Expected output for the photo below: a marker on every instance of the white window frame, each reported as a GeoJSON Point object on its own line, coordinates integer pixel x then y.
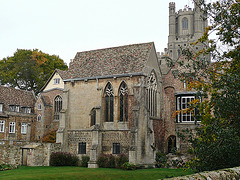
{"type": "Point", "coordinates": [24, 128]}
{"type": "Point", "coordinates": [182, 103]}
{"type": "Point", "coordinates": [2, 125]}
{"type": "Point", "coordinates": [56, 81]}
{"type": "Point", "coordinates": [12, 126]}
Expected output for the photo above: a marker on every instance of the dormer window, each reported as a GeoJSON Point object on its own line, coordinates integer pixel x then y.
{"type": "Point", "coordinates": [12, 107]}
{"type": "Point", "coordinates": [56, 81]}
{"type": "Point", "coordinates": [26, 110]}
{"type": "Point", "coordinates": [1, 107]}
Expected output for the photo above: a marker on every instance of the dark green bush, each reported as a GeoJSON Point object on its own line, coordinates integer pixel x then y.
{"type": "Point", "coordinates": [128, 166]}
{"type": "Point", "coordinates": [84, 161]}
{"type": "Point", "coordinates": [111, 161]}
{"type": "Point", "coordinates": [63, 159]}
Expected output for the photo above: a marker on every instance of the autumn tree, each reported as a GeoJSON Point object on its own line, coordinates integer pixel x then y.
{"type": "Point", "coordinates": [29, 69]}
{"type": "Point", "coordinates": [217, 144]}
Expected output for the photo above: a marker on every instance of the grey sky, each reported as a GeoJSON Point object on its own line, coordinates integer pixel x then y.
{"type": "Point", "coordinates": [64, 27]}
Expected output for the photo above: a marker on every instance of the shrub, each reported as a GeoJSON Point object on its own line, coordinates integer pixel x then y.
{"type": "Point", "coordinates": [161, 160]}
{"type": "Point", "coordinates": [4, 167]}
{"type": "Point", "coordinates": [84, 161]}
{"type": "Point", "coordinates": [128, 166]}
{"type": "Point", "coordinates": [102, 161]}
{"type": "Point", "coordinates": [111, 161]}
{"type": "Point", "coordinates": [120, 160]}
{"type": "Point", "coordinates": [63, 159]}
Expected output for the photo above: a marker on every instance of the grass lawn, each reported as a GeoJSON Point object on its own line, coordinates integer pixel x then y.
{"type": "Point", "coordinates": [45, 172]}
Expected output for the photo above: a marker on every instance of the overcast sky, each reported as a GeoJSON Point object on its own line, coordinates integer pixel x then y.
{"type": "Point", "coordinates": [65, 27]}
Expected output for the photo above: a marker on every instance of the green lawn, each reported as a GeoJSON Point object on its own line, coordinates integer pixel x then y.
{"type": "Point", "coordinates": [25, 172]}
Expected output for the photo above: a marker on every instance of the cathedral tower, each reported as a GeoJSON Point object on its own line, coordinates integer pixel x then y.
{"type": "Point", "coordinates": [185, 26]}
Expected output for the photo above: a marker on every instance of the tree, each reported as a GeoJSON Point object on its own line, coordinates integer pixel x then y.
{"type": "Point", "coordinates": [29, 69]}
{"type": "Point", "coordinates": [217, 144]}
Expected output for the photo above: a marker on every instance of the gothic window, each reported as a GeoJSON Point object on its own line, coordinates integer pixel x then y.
{"type": "Point", "coordinates": [39, 118]}
{"type": "Point", "coordinates": [82, 148]}
{"type": "Point", "coordinates": [39, 106]}
{"type": "Point", "coordinates": [185, 23]}
{"type": "Point", "coordinates": [57, 107]}
{"type": "Point", "coordinates": [109, 103]}
{"type": "Point", "coordinates": [171, 144]}
{"type": "Point", "coordinates": [152, 94]}
{"type": "Point", "coordinates": [93, 117]}
{"type": "Point", "coordinates": [183, 103]}
{"type": "Point", "coordinates": [123, 100]}
{"type": "Point", "coordinates": [116, 148]}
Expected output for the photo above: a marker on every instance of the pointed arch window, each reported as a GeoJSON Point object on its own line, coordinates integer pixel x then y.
{"type": "Point", "coordinates": [123, 100]}
{"type": "Point", "coordinates": [185, 23]}
{"type": "Point", "coordinates": [109, 102]}
{"type": "Point", "coordinates": [152, 94]}
{"type": "Point", "coordinates": [93, 117]}
{"type": "Point", "coordinates": [57, 107]}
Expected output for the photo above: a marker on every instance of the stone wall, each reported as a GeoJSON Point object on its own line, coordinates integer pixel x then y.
{"type": "Point", "coordinates": [31, 154]}
{"type": "Point", "coordinates": [231, 173]}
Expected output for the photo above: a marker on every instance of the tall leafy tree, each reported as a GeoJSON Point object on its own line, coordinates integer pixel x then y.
{"type": "Point", "coordinates": [29, 69]}
{"type": "Point", "coordinates": [217, 144]}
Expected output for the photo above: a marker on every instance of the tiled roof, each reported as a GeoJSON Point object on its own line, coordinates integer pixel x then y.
{"type": "Point", "coordinates": [11, 96]}
{"type": "Point", "coordinates": [110, 61]}
{"type": "Point", "coordinates": [63, 74]}
{"type": "Point", "coordinates": [46, 100]}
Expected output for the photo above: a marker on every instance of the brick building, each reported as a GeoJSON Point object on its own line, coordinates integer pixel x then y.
{"type": "Point", "coordinates": [49, 105]}
{"type": "Point", "coordinates": [16, 115]}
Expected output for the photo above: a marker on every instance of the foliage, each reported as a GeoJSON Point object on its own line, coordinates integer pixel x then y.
{"type": "Point", "coordinates": [217, 144]}
{"type": "Point", "coordinates": [84, 161]}
{"type": "Point", "coordinates": [4, 167]}
{"type": "Point", "coordinates": [29, 69]}
{"type": "Point", "coordinates": [121, 159]}
{"type": "Point", "coordinates": [50, 137]}
{"type": "Point", "coordinates": [67, 172]}
{"type": "Point", "coordinates": [63, 159]}
{"type": "Point", "coordinates": [161, 160]}
{"type": "Point", "coordinates": [110, 161]}
{"type": "Point", "coordinates": [128, 166]}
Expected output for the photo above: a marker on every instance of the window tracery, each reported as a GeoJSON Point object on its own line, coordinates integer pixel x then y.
{"type": "Point", "coordinates": [152, 94]}
{"type": "Point", "coordinates": [123, 108]}
{"type": "Point", "coordinates": [109, 103]}
{"type": "Point", "coordinates": [57, 107]}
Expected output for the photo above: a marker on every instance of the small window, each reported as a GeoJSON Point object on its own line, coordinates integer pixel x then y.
{"type": "Point", "coordinates": [93, 117]}
{"type": "Point", "coordinates": [56, 81]}
{"type": "Point", "coordinates": [12, 107]}
{"type": "Point", "coordinates": [12, 127]}
{"type": "Point", "coordinates": [82, 148]}
{"type": "Point", "coordinates": [26, 110]}
{"type": "Point", "coordinates": [24, 128]}
{"type": "Point", "coordinates": [39, 106]}
{"type": "Point", "coordinates": [39, 118]}
{"type": "Point", "coordinates": [17, 108]}
{"type": "Point", "coordinates": [2, 125]}
{"type": "Point", "coordinates": [1, 107]}
{"type": "Point", "coordinates": [116, 148]}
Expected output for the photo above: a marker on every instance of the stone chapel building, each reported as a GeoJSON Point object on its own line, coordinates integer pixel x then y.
{"type": "Point", "coordinates": [121, 99]}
